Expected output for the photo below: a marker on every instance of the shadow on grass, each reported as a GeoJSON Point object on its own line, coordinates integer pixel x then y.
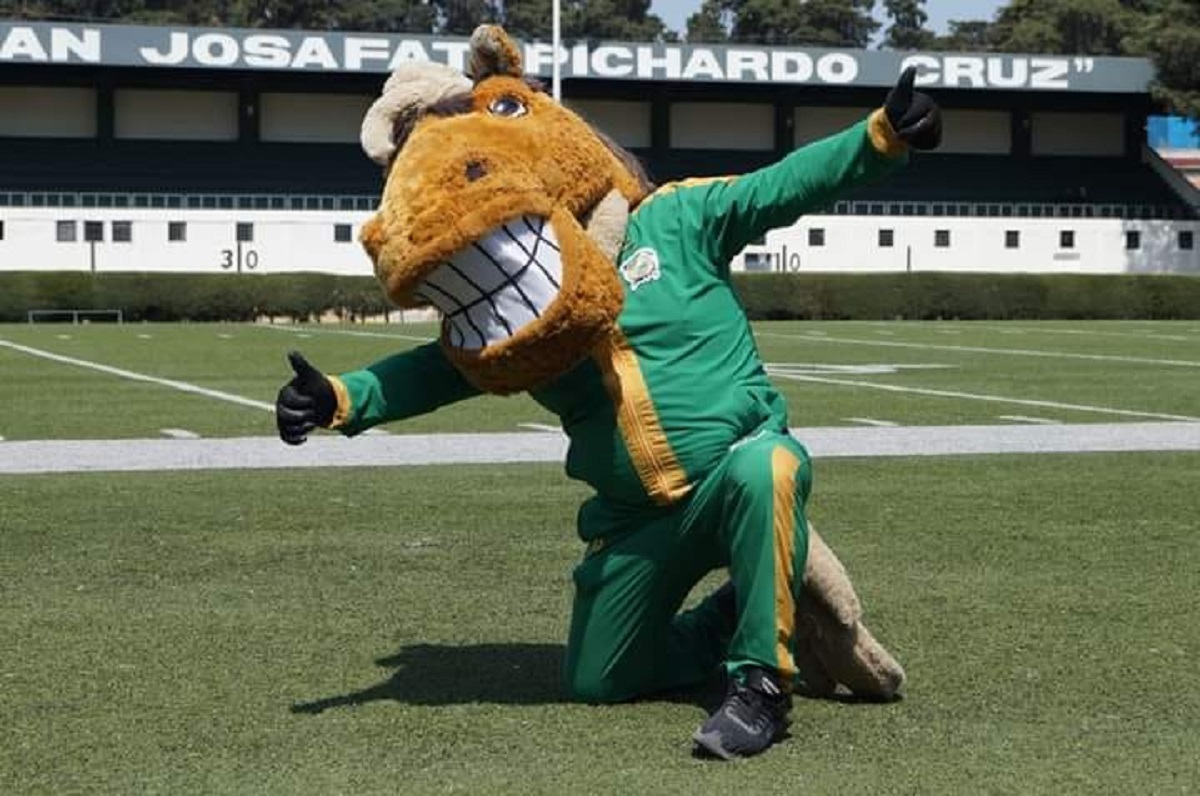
{"type": "Point", "coordinates": [440, 674]}
{"type": "Point", "coordinates": [503, 674]}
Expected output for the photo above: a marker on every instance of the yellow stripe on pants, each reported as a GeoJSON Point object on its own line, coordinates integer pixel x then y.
{"type": "Point", "coordinates": [784, 466]}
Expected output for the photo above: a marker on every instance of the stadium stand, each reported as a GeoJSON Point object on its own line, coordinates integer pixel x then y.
{"type": "Point", "coordinates": [171, 154]}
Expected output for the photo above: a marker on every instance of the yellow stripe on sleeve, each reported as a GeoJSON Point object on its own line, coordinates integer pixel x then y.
{"type": "Point", "coordinates": [342, 413]}
{"type": "Point", "coordinates": [883, 137]}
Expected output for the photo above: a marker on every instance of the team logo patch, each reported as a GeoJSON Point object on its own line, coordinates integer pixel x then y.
{"type": "Point", "coordinates": [640, 268]}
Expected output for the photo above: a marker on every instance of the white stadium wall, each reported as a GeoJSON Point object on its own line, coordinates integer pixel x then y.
{"type": "Point", "coordinates": [292, 241]}
{"type": "Point", "coordinates": [281, 241]}
{"type": "Point", "coordinates": [1097, 246]}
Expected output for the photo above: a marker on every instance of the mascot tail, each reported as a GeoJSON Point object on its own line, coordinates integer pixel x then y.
{"type": "Point", "coordinates": [833, 646]}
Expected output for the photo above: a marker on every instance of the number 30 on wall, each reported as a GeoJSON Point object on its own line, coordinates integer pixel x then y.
{"type": "Point", "coordinates": [231, 258]}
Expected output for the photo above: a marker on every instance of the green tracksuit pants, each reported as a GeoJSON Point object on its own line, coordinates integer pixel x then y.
{"type": "Point", "coordinates": [628, 637]}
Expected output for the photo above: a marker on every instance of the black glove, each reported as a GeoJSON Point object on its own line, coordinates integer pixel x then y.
{"type": "Point", "coordinates": [914, 115]}
{"type": "Point", "coordinates": [305, 402]}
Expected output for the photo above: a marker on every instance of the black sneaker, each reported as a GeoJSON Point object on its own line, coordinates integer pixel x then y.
{"type": "Point", "coordinates": [752, 717]}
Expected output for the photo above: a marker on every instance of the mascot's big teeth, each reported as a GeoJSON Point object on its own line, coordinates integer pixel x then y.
{"type": "Point", "coordinates": [498, 284]}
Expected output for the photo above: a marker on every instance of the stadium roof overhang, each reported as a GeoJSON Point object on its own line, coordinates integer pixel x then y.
{"type": "Point", "coordinates": [310, 53]}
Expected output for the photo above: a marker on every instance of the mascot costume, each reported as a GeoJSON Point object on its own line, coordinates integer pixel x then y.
{"type": "Point", "coordinates": [560, 271]}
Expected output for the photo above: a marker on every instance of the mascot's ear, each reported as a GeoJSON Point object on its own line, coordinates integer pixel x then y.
{"type": "Point", "coordinates": [606, 224]}
{"type": "Point", "coordinates": [493, 53]}
{"type": "Point", "coordinates": [411, 89]}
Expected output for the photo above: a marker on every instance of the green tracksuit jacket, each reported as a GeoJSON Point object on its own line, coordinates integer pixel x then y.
{"type": "Point", "coordinates": [649, 416]}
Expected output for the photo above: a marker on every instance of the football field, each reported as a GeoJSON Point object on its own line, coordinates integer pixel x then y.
{"type": "Point", "coordinates": [190, 606]}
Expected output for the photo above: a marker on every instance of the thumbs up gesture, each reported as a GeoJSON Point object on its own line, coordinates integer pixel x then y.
{"type": "Point", "coordinates": [914, 115]}
{"type": "Point", "coordinates": [305, 402]}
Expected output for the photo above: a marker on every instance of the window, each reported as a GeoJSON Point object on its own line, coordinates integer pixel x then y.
{"type": "Point", "coordinates": [1012, 239]}
{"type": "Point", "coordinates": [1066, 239]}
{"type": "Point", "coordinates": [341, 233]}
{"type": "Point", "coordinates": [93, 231]}
{"type": "Point", "coordinates": [1187, 240]}
{"type": "Point", "coordinates": [816, 237]}
{"type": "Point", "coordinates": [1, 230]}
{"type": "Point", "coordinates": [64, 231]}
{"type": "Point", "coordinates": [122, 231]}
{"type": "Point", "coordinates": [941, 238]}
{"type": "Point", "coordinates": [245, 232]}
{"type": "Point", "coordinates": [887, 238]}
{"type": "Point", "coordinates": [1133, 240]}
{"type": "Point", "coordinates": [176, 231]}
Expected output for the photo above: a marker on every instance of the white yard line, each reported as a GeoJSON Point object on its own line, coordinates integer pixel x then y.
{"type": "Point", "coordinates": [1026, 419]}
{"type": "Point", "coordinates": [308, 330]}
{"type": "Point", "coordinates": [992, 398]}
{"type": "Point", "coordinates": [540, 427]}
{"type": "Point", "coordinates": [870, 421]}
{"type": "Point", "coordinates": [1023, 352]}
{"type": "Point", "coordinates": [1098, 333]}
{"type": "Point", "coordinates": [181, 386]}
{"type": "Point", "coordinates": [254, 453]}
{"type": "Point", "coordinates": [179, 433]}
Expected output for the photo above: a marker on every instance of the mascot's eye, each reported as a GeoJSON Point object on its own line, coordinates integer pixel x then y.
{"type": "Point", "coordinates": [507, 106]}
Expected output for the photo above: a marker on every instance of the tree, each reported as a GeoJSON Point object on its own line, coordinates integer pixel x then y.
{"type": "Point", "coordinates": [966, 35]}
{"type": "Point", "coordinates": [460, 17]}
{"type": "Point", "coordinates": [1170, 34]}
{"type": "Point", "coordinates": [1065, 27]}
{"type": "Point", "coordinates": [824, 23]}
{"type": "Point", "coordinates": [390, 16]}
{"type": "Point", "coordinates": [628, 20]}
{"type": "Point", "coordinates": [527, 19]}
{"type": "Point", "coordinates": [710, 24]}
{"type": "Point", "coordinates": [907, 31]}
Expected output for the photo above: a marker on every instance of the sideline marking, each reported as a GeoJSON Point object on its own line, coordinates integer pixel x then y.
{"type": "Point", "coordinates": [993, 398]}
{"type": "Point", "coordinates": [182, 386]}
{"type": "Point", "coordinates": [263, 453]}
{"type": "Point", "coordinates": [179, 433]}
{"type": "Point", "coordinates": [982, 350]}
{"type": "Point", "coordinates": [1025, 419]}
{"type": "Point", "coordinates": [867, 421]}
{"type": "Point", "coordinates": [308, 330]}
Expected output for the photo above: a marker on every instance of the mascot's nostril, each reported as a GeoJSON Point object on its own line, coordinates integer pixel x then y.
{"type": "Point", "coordinates": [475, 170]}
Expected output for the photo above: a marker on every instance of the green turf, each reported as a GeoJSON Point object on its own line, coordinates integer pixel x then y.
{"type": "Point", "coordinates": [46, 399]}
{"type": "Point", "coordinates": [344, 631]}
